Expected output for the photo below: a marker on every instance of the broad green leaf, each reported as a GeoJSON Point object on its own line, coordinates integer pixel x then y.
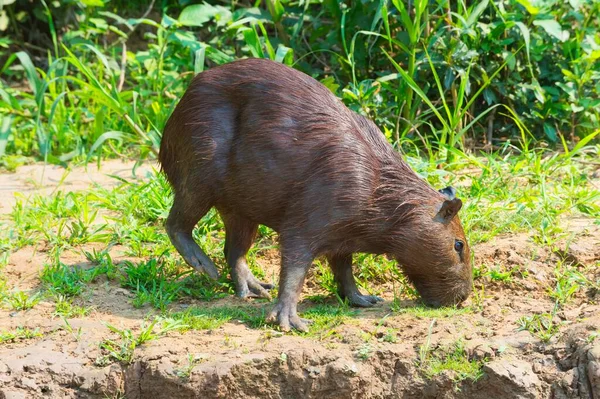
{"type": "Point", "coordinates": [6, 2]}
{"type": "Point", "coordinates": [583, 142]}
{"type": "Point", "coordinates": [199, 14]}
{"type": "Point", "coordinates": [3, 20]}
{"type": "Point", "coordinates": [330, 83]}
{"type": "Point", "coordinates": [552, 28]}
{"type": "Point", "coordinates": [115, 135]}
{"type": "Point", "coordinates": [526, 35]}
{"type": "Point", "coordinates": [217, 56]}
{"type": "Point", "coordinates": [550, 132]}
{"type": "Point", "coordinates": [529, 7]}
{"type": "Point", "coordinates": [576, 4]}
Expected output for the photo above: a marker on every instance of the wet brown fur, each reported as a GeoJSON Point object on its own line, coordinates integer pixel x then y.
{"type": "Point", "coordinates": [266, 144]}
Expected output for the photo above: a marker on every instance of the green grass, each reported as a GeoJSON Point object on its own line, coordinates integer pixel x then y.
{"type": "Point", "coordinates": [122, 349]}
{"type": "Point", "coordinates": [65, 308]}
{"type": "Point", "coordinates": [20, 300]}
{"type": "Point", "coordinates": [210, 318]}
{"type": "Point", "coordinates": [325, 320]}
{"type": "Point", "coordinates": [425, 312]}
{"type": "Point", "coordinates": [18, 334]}
{"type": "Point", "coordinates": [68, 281]}
{"type": "Point", "coordinates": [453, 359]}
{"type": "Point", "coordinates": [185, 371]}
{"type": "Point", "coordinates": [542, 325]}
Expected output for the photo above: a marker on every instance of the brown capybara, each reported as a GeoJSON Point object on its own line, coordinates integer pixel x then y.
{"type": "Point", "coordinates": [267, 144]}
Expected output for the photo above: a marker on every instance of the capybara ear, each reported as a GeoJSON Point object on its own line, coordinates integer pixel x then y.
{"type": "Point", "coordinates": [449, 192]}
{"type": "Point", "coordinates": [448, 210]}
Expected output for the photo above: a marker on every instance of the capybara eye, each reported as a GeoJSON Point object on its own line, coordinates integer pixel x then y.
{"type": "Point", "coordinates": [458, 245]}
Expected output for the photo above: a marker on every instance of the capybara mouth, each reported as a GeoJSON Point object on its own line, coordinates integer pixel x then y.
{"type": "Point", "coordinates": [450, 300]}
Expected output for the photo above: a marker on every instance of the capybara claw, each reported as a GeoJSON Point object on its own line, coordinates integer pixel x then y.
{"type": "Point", "coordinates": [363, 301]}
{"type": "Point", "coordinates": [281, 315]}
{"type": "Point", "coordinates": [210, 270]}
{"type": "Point", "coordinates": [251, 287]}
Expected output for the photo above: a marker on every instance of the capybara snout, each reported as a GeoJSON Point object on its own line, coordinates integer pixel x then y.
{"type": "Point", "coordinates": [266, 144]}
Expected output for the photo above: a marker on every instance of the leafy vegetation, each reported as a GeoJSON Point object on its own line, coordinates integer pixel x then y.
{"type": "Point", "coordinates": [434, 75]}
{"type": "Point", "coordinates": [453, 359]}
{"type": "Point", "coordinates": [19, 333]}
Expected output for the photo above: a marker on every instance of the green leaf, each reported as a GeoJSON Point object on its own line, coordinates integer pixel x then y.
{"type": "Point", "coordinates": [199, 14]}
{"type": "Point", "coordinates": [477, 11]}
{"type": "Point", "coordinates": [115, 135]}
{"type": "Point", "coordinates": [284, 55]}
{"type": "Point", "coordinates": [529, 7]}
{"type": "Point", "coordinates": [3, 20]}
{"type": "Point", "coordinates": [276, 9]}
{"type": "Point", "coordinates": [550, 132]}
{"type": "Point", "coordinates": [526, 35]}
{"type": "Point", "coordinates": [199, 56]}
{"type": "Point", "coordinates": [253, 41]}
{"type": "Point", "coordinates": [92, 3]}
{"type": "Point", "coordinates": [4, 132]}
{"type": "Point", "coordinates": [552, 28]}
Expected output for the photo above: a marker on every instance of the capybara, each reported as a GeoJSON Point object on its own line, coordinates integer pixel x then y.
{"type": "Point", "coordinates": [266, 144]}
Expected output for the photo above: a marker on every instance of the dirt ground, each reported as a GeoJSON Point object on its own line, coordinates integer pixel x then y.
{"type": "Point", "coordinates": [358, 360]}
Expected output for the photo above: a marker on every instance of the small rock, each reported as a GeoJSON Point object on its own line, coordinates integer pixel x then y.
{"type": "Point", "coordinates": [29, 383]}
{"type": "Point", "coordinates": [313, 371]}
{"type": "Point", "coordinates": [537, 368]}
{"type": "Point", "coordinates": [12, 395]}
{"type": "Point", "coordinates": [123, 291]}
{"type": "Point", "coordinates": [594, 354]}
{"type": "Point", "coordinates": [510, 379]}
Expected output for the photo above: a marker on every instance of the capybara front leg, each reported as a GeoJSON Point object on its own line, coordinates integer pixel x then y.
{"type": "Point", "coordinates": [294, 265]}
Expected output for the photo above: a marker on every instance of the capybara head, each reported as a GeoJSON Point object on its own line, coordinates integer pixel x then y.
{"type": "Point", "coordinates": [437, 259]}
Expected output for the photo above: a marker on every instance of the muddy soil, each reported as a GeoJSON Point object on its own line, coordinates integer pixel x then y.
{"type": "Point", "coordinates": [373, 354]}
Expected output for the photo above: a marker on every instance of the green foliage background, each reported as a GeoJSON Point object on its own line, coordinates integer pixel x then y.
{"type": "Point", "coordinates": [80, 78]}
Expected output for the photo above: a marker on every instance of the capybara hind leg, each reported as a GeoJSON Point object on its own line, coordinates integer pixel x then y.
{"type": "Point", "coordinates": [342, 272]}
{"type": "Point", "coordinates": [239, 235]}
{"type": "Point", "coordinates": [180, 223]}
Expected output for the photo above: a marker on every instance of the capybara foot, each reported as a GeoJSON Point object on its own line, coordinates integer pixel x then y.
{"type": "Point", "coordinates": [286, 317]}
{"type": "Point", "coordinates": [363, 301]}
{"type": "Point", "coordinates": [250, 287]}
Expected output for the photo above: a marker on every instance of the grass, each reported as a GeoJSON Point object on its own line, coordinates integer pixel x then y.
{"type": "Point", "coordinates": [122, 348]}
{"type": "Point", "coordinates": [186, 370]}
{"type": "Point", "coordinates": [453, 359]}
{"type": "Point", "coordinates": [196, 318]}
{"type": "Point", "coordinates": [19, 334]}
{"type": "Point", "coordinates": [64, 280]}
{"type": "Point", "coordinates": [65, 308]}
{"type": "Point", "coordinates": [325, 320]}
{"type": "Point", "coordinates": [20, 300]}
{"type": "Point", "coordinates": [425, 312]}
{"type": "Point", "coordinates": [542, 325]}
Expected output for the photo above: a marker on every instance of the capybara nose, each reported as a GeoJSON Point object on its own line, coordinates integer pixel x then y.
{"type": "Point", "coordinates": [433, 303]}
